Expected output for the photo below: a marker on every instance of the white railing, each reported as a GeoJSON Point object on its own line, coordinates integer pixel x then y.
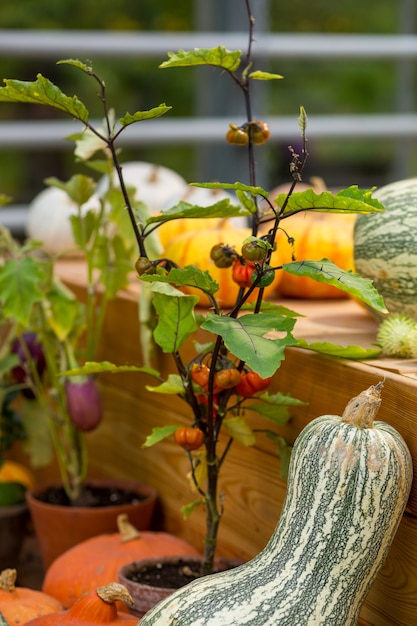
{"type": "Point", "coordinates": [55, 45]}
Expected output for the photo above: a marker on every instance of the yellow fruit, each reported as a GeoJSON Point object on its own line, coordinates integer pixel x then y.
{"type": "Point", "coordinates": [11, 471]}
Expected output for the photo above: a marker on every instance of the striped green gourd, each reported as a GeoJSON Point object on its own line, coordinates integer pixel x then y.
{"type": "Point", "coordinates": [348, 484]}
{"type": "Point", "coordinates": [385, 246]}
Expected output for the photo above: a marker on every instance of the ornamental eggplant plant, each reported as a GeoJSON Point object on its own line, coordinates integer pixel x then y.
{"type": "Point", "coordinates": [228, 377]}
{"type": "Point", "coordinates": [46, 330]}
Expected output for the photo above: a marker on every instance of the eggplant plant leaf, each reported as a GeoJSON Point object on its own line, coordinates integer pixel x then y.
{"type": "Point", "coordinates": [350, 200]}
{"type": "Point", "coordinates": [64, 310]}
{"type": "Point", "coordinates": [43, 91]}
{"type": "Point", "coordinates": [187, 509]}
{"type": "Point", "coordinates": [274, 407]}
{"type": "Point", "coordinates": [188, 276]}
{"type": "Point", "coordinates": [173, 385]}
{"type": "Point", "coordinates": [325, 271]}
{"type": "Point", "coordinates": [101, 367]}
{"type": "Point", "coordinates": [79, 187]}
{"type": "Point", "coordinates": [158, 434]}
{"type": "Point", "coordinates": [260, 75]}
{"type": "Point", "coordinates": [239, 429]}
{"type": "Point", "coordinates": [254, 191]}
{"type": "Point", "coordinates": [341, 352]}
{"type": "Point", "coordinates": [219, 57]}
{"type": "Point", "coordinates": [258, 340]}
{"type": "Point", "coordinates": [150, 114]}
{"type": "Point", "coordinates": [176, 320]}
{"type": "Point", "coordinates": [223, 209]}
{"type": "Point", "coordinates": [284, 451]}
{"type": "Point", "coordinates": [21, 286]}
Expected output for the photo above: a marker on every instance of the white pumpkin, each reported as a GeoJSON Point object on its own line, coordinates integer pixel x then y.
{"type": "Point", "coordinates": [154, 184]}
{"type": "Point", "coordinates": [48, 219]}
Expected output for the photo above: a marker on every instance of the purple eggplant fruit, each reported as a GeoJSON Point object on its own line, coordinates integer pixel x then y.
{"type": "Point", "coordinates": [84, 403]}
{"type": "Point", "coordinates": [21, 373]}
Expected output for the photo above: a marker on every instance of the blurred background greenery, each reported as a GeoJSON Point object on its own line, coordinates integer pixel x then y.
{"type": "Point", "coordinates": [335, 87]}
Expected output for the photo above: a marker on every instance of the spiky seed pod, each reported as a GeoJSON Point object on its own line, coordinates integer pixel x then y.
{"type": "Point", "coordinates": [394, 335]}
{"type": "Point", "coordinates": [412, 342]}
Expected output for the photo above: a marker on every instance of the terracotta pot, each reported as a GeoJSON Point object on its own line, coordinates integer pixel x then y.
{"type": "Point", "coordinates": [147, 596]}
{"type": "Point", "coordinates": [13, 526]}
{"type": "Point", "coordinates": [60, 527]}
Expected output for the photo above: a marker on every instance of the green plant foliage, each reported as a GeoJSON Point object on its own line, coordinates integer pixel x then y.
{"type": "Point", "coordinates": [43, 91]}
{"type": "Point", "coordinates": [219, 57]}
{"type": "Point", "coordinates": [325, 271]}
{"type": "Point", "coordinates": [350, 200]}
{"type": "Point", "coordinates": [245, 338]}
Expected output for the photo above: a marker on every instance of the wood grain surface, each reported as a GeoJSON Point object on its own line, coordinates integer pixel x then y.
{"type": "Point", "coordinates": [251, 486]}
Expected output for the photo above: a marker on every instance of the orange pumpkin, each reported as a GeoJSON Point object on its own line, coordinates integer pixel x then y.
{"type": "Point", "coordinates": [316, 236]}
{"type": "Point", "coordinates": [18, 605]}
{"type": "Point", "coordinates": [98, 606]}
{"type": "Point", "coordinates": [96, 561]}
{"type": "Point", "coordinates": [193, 248]}
{"type": "Point", "coordinates": [169, 231]}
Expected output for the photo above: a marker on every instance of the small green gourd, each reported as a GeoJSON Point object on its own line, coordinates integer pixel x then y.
{"type": "Point", "coordinates": [348, 484]}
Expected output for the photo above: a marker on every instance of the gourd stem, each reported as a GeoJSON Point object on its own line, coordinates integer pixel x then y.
{"type": "Point", "coordinates": [362, 409]}
{"type": "Point", "coordinates": [115, 591]}
{"type": "Point", "coordinates": [127, 531]}
{"type": "Point", "coordinates": [8, 579]}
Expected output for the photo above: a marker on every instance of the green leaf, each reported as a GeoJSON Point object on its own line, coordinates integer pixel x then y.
{"type": "Point", "coordinates": [88, 69]}
{"type": "Point", "coordinates": [254, 191]}
{"type": "Point", "coordinates": [188, 276]}
{"type": "Point", "coordinates": [187, 509]}
{"type": "Point", "coordinates": [79, 187]}
{"type": "Point", "coordinates": [100, 367]}
{"type": "Point", "coordinates": [139, 116]}
{"type": "Point", "coordinates": [259, 340]}
{"type": "Point", "coordinates": [173, 385]}
{"type": "Point", "coordinates": [223, 209]}
{"type": "Point", "coordinates": [21, 283]}
{"type": "Point", "coordinates": [239, 429]}
{"type": "Point", "coordinates": [350, 200]}
{"type": "Point", "coordinates": [325, 271]}
{"type": "Point", "coordinates": [4, 199]}
{"type": "Point", "coordinates": [83, 227]}
{"type": "Point", "coordinates": [343, 352]}
{"type": "Point", "coordinates": [64, 311]}
{"type": "Point", "coordinates": [38, 443]}
{"type": "Point", "coordinates": [176, 321]}
{"type": "Point", "coordinates": [11, 493]}
{"type": "Point", "coordinates": [275, 407]}
{"type": "Point", "coordinates": [220, 57]}
{"type": "Point", "coordinates": [247, 201]}
{"type": "Point", "coordinates": [158, 434]}
{"type": "Point", "coordinates": [259, 75]}
{"type": "Point", "coordinates": [302, 120]}
{"type": "Point", "coordinates": [284, 451]}
{"type": "Point", "coordinates": [43, 91]}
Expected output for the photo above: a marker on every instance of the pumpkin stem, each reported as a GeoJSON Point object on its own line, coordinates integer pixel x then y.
{"type": "Point", "coordinates": [8, 579]}
{"type": "Point", "coordinates": [115, 591]}
{"type": "Point", "coordinates": [361, 410]}
{"type": "Point", "coordinates": [126, 530]}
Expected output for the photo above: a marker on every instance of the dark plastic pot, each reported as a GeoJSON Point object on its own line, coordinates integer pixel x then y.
{"type": "Point", "coordinates": [13, 527]}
